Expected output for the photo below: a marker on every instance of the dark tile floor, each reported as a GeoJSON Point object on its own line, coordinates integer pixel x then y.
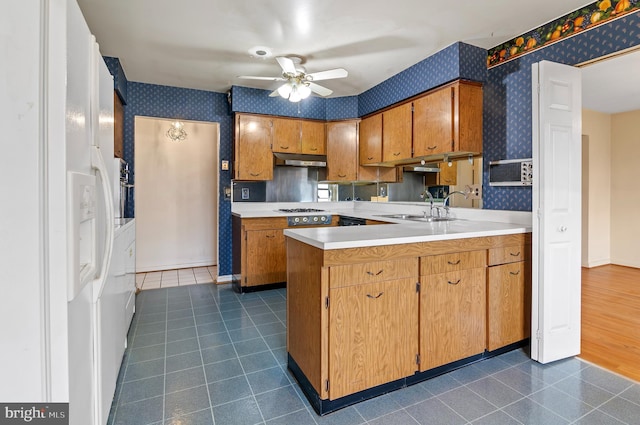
{"type": "Point", "coordinates": [204, 355]}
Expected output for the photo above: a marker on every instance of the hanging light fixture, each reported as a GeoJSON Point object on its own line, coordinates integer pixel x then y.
{"type": "Point", "coordinates": [177, 132]}
{"type": "Point", "coordinates": [295, 89]}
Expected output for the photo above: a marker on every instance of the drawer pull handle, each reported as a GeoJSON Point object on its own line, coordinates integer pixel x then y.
{"type": "Point", "coordinates": [270, 236]}
{"type": "Point", "coordinates": [375, 296]}
{"type": "Point", "coordinates": [453, 263]}
{"type": "Point", "coordinates": [430, 148]}
{"type": "Point", "coordinates": [314, 149]}
{"type": "Point", "coordinates": [256, 174]}
{"type": "Point", "coordinates": [342, 175]}
{"type": "Point", "coordinates": [396, 153]}
{"type": "Point", "coordinates": [375, 274]}
{"type": "Point", "coordinates": [454, 283]}
{"type": "Point", "coordinates": [284, 147]}
{"type": "Point", "coordinates": [516, 273]}
{"type": "Point", "coordinates": [515, 255]}
{"type": "Point", "coordinates": [369, 158]}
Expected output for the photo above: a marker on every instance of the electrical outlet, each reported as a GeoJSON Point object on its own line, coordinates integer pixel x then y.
{"type": "Point", "coordinates": [475, 191]}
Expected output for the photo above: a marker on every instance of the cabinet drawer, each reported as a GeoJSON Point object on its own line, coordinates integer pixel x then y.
{"type": "Point", "coordinates": [509, 254]}
{"type": "Point", "coordinates": [435, 264]}
{"type": "Point", "coordinates": [376, 271]}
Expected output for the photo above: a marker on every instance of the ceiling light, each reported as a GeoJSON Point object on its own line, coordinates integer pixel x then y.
{"type": "Point", "coordinates": [261, 52]}
{"type": "Point", "coordinates": [285, 90]}
{"type": "Point", "coordinates": [295, 94]}
{"type": "Point", "coordinates": [304, 91]}
{"type": "Point", "coordinates": [177, 132]}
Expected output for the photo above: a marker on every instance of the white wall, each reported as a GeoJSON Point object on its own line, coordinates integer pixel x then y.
{"type": "Point", "coordinates": [175, 195]}
{"type": "Point", "coordinates": [596, 189]}
{"type": "Point", "coordinates": [625, 189]}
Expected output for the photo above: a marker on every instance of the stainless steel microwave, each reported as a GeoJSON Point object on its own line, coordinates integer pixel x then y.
{"type": "Point", "coordinates": [511, 172]}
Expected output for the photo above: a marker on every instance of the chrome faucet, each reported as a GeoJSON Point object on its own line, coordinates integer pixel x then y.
{"type": "Point", "coordinates": [444, 203]}
{"type": "Point", "coordinates": [430, 196]}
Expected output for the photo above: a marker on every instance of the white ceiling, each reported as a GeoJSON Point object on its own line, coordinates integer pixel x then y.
{"type": "Point", "coordinates": [204, 44]}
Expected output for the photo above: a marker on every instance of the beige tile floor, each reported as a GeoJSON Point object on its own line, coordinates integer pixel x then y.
{"type": "Point", "coordinates": [179, 277]}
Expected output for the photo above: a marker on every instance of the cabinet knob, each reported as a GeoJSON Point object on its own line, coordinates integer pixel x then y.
{"type": "Point", "coordinates": [375, 296]}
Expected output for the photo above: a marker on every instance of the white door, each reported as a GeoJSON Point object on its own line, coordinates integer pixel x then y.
{"type": "Point", "coordinates": [557, 165]}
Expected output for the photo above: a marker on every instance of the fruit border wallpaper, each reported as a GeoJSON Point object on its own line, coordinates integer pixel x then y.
{"type": "Point", "coordinates": [566, 26]}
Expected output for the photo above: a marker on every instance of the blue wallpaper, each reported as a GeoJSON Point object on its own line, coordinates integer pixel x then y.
{"type": "Point", "coordinates": [341, 108]}
{"type": "Point", "coordinates": [459, 60]}
{"type": "Point", "coordinates": [507, 100]}
{"type": "Point", "coordinates": [245, 99]}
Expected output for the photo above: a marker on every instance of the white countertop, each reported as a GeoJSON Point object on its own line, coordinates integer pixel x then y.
{"type": "Point", "coordinates": [406, 232]}
{"type": "Point", "coordinates": [469, 223]}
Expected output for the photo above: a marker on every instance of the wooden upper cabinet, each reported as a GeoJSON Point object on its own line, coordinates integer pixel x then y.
{"type": "Point", "coordinates": [396, 133]}
{"type": "Point", "coordinates": [118, 126]}
{"type": "Point", "coordinates": [342, 150]}
{"type": "Point", "coordinates": [253, 157]}
{"type": "Point", "coordinates": [371, 140]}
{"type": "Point", "coordinates": [433, 123]}
{"type": "Point", "coordinates": [467, 134]}
{"type": "Point", "coordinates": [286, 135]}
{"type": "Point", "coordinates": [448, 120]}
{"type": "Point", "coordinates": [313, 138]}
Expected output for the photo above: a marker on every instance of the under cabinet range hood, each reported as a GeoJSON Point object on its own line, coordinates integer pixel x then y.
{"type": "Point", "coordinates": [300, 160]}
{"type": "Point", "coordinates": [426, 168]}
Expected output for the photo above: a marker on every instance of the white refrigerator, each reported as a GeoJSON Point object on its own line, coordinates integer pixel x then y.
{"type": "Point", "coordinates": [56, 238]}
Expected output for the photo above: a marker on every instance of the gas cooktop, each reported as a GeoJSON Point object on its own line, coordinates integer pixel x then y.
{"type": "Point", "coordinates": [300, 210]}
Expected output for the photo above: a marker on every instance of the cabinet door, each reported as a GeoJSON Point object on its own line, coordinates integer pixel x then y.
{"type": "Point", "coordinates": [448, 175]}
{"type": "Point", "coordinates": [371, 140]}
{"type": "Point", "coordinates": [253, 156]}
{"type": "Point", "coordinates": [396, 133]}
{"type": "Point", "coordinates": [452, 317]}
{"type": "Point", "coordinates": [373, 335]}
{"type": "Point", "coordinates": [266, 257]}
{"type": "Point", "coordinates": [286, 135]}
{"type": "Point", "coordinates": [509, 304]}
{"type": "Point", "coordinates": [433, 123]}
{"type": "Point", "coordinates": [468, 133]}
{"type": "Point", "coordinates": [342, 144]}
{"type": "Point", "coordinates": [313, 138]}
{"type": "Point", "coordinates": [118, 127]}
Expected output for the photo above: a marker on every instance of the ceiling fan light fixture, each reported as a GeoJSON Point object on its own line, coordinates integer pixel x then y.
{"type": "Point", "coordinates": [295, 95]}
{"type": "Point", "coordinates": [285, 90]}
{"type": "Point", "coordinates": [304, 91]}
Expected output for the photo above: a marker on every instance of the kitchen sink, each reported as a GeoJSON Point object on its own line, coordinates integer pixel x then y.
{"type": "Point", "coordinates": [403, 216]}
{"type": "Point", "coordinates": [417, 217]}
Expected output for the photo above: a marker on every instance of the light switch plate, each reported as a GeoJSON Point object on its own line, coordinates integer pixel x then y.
{"type": "Point", "coordinates": [225, 165]}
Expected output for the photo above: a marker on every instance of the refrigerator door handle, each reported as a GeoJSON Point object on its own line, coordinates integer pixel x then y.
{"type": "Point", "coordinates": [97, 162]}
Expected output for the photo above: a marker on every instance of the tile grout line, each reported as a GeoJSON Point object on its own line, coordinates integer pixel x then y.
{"type": "Point", "coordinates": [204, 372]}
{"type": "Point", "coordinates": [244, 373]}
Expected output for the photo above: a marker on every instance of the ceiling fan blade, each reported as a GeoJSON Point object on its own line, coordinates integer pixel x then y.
{"type": "Point", "coordinates": [328, 75]}
{"type": "Point", "coordinates": [251, 77]}
{"type": "Point", "coordinates": [287, 65]}
{"type": "Point", "coordinates": [318, 89]}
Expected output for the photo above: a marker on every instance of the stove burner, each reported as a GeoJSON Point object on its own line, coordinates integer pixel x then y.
{"type": "Point", "coordinates": [299, 210]}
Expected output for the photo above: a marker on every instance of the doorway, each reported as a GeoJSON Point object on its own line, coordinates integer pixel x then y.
{"type": "Point", "coordinates": [176, 183]}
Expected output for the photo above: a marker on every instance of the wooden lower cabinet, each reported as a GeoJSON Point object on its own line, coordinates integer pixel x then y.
{"type": "Point", "coordinates": [508, 304]}
{"type": "Point", "coordinates": [452, 316]}
{"type": "Point", "coordinates": [373, 335]}
{"type": "Point", "coordinates": [266, 257]}
{"type": "Point", "coordinates": [357, 318]}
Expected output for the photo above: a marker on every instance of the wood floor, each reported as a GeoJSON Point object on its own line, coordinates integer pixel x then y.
{"type": "Point", "coordinates": [611, 318]}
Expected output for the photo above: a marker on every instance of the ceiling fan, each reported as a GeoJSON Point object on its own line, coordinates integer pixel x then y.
{"type": "Point", "coordinates": [298, 84]}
